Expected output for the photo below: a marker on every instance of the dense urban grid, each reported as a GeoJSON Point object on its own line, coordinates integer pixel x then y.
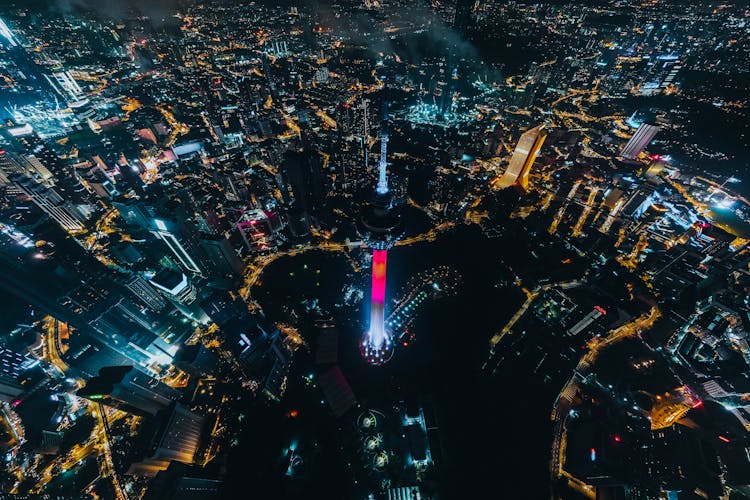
{"type": "Point", "coordinates": [374, 249]}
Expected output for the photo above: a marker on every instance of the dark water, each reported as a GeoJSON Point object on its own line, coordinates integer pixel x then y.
{"type": "Point", "coordinates": [494, 431]}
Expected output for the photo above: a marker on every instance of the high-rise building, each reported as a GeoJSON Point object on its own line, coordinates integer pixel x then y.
{"type": "Point", "coordinates": [12, 366]}
{"type": "Point", "coordinates": [381, 228]}
{"type": "Point", "coordinates": [196, 360]}
{"type": "Point", "coordinates": [180, 440]}
{"type": "Point", "coordinates": [7, 34]}
{"type": "Point", "coordinates": [176, 438]}
{"type": "Point", "coordinates": [65, 85]}
{"type": "Point", "coordinates": [177, 288]}
{"type": "Point", "coordinates": [181, 245]}
{"type": "Point", "coordinates": [130, 390]}
{"type": "Point", "coordinates": [146, 293]}
{"type": "Point", "coordinates": [261, 230]}
{"type": "Point", "coordinates": [169, 221]}
{"type": "Point", "coordinates": [30, 165]}
{"type": "Point", "coordinates": [639, 141]}
{"type": "Point", "coordinates": [222, 257]}
{"type": "Point", "coordinates": [50, 202]}
{"type": "Point", "coordinates": [9, 164]}
{"type": "Point", "coordinates": [302, 169]}
{"type": "Point", "coordinates": [38, 171]}
{"type": "Point", "coordinates": [527, 149]}
{"type": "Point", "coordinates": [73, 287]}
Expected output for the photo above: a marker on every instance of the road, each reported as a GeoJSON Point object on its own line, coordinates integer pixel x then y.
{"type": "Point", "coordinates": [559, 215]}
{"type": "Point", "coordinates": [563, 405]}
{"type": "Point", "coordinates": [530, 298]}
{"type": "Point", "coordinates": [255, 269]}
{"type": "Point", "coordinates": [52, 343]}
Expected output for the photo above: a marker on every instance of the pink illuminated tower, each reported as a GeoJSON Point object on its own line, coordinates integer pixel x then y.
{"type": "Point", "coordinates": [381, 228]}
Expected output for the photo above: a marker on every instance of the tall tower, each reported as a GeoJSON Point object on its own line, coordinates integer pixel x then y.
{"type": "Point", "coordinates": [639, 141]}
{"type": "Point", "coordinates": [525, 153]}
{"type": "Point", "coordinates": [381, 228]}
{"type": "Point", "coordinates": [527, 149]}
{"type": "Point", "coordinates": [50, 202]}
{"type": "Point", "coordinates": [5, 32]}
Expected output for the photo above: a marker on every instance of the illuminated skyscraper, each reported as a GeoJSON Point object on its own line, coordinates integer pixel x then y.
{"type": "Point", "coordinates": [181, 292]}
{"type": "Point", "coordinates": [51, 203]}
{"type": "Point", "coordinates": [181, 237]}
{"type": "Point", "coordinates": [65, 85]}
{"type": "Point", "coordinates": [7, 34]}
{"type": "Point", "coordinates": [146, 293]}
{"type": "Point", "coordinates": [11, 368]}
{"type": "Point", "coordinates": [381, 228]}
{"type": "Point", "coordinates": [640, 140]}
{"type": "Point", "coordinates": [527, 149]}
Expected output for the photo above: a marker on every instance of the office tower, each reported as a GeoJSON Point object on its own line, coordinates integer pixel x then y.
{"type": "Point", "coordinates": [196, 360]}
{"type": "Point", "coordinates": [12, 366]}
{"type": "Point", "coordinates": [23, 66]}
{"type": "Point", "coordinates": [146, 293]}
{"type": "Point", "coordinates": [281, 356]}
{"type": "Point", "coordinates": [50, 202]}
{"type": "Point", "coordinates": [7, 34]}
{"type": "Point", "coordinates": [362, 119]}
{"type": "Point", "coordinates": [222, 257]}
{"type": "Point", "coordinates": [175, 438]}
{"type": "Point", "coordinates": [73, 287]}
{"type": "Point", "coordinates": [180, 440]}
{"type": "Point", "coordinates": [293, 172]}
{"type": "Point", "coordinates": [277, 48]}
{"type": "Point", "coordinates": [9, 164]}
{"type": "Point", "coordinates": [261, 230]}
{"type": "Point", "coordinates": [527, 149]}
{"type": "Point", "coordinates": [639, 141]}
{"type": "Point", "coordinates": [381, 228]}
{"type": "Point", "coordinates": [135, 214]}
{"type": "Point", "coordinates": [144, 329]}
{"type": "Point", "coordinates": [181, 243]}
{"type": "Point", "coordinates": [168, 219]}
{"type": "Point", "coordinates": [37, 170]}
{"type": "Point", "coordinates": [29, 165]}
{"type": "Point", "coordinates": [65, 85]}
{"type": "Point", "coordinates": [662, 76]}
{"type": "Point", "coordinates": [130, 390]}
{"type": "Point", "coordinates": [302, 169]}
{"type": "Point", "coordinates": [177, 289]}
{"type": "Point", "coordinates": [322, 74]}
{"type": "Point", "coordinates": [222, 307]}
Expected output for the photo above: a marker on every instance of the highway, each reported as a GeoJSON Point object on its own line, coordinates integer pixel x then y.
{"type": "Point", "coordinates": [97, 443]}
{"type": "Point", "coordinates": [107, 466]}
{"type": "Point", "coordinates": [52, 346]}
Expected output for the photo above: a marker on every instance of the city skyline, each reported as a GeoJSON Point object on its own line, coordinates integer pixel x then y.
{"type": "Point", "coordinates": [374, 249]}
